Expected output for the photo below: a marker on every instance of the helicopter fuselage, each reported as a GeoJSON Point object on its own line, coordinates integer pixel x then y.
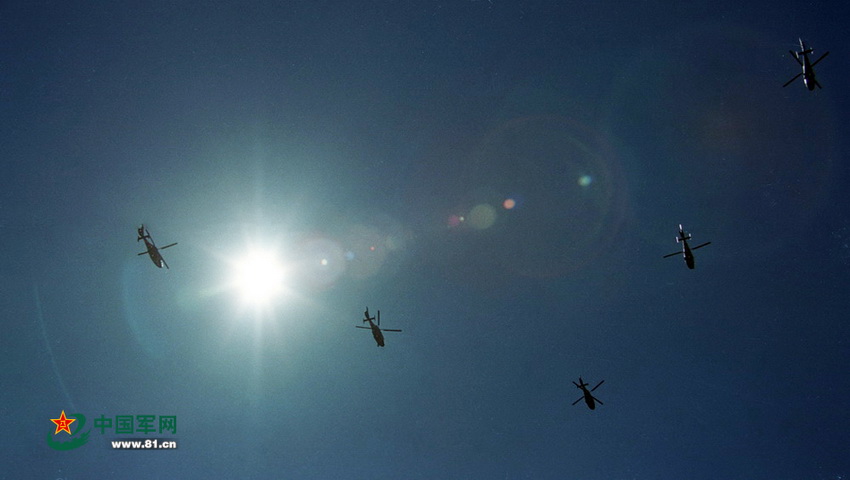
{"type": "Point", "coordinates": [808, 66]}
{"type": "Point", "coordinates": [689, 256]}
{"type": "Point", "coordinates": [808, 72]}
{"type": "Point", "coordinates": [153, 252]}
{"type": "Point", "coordinates": [586, 394]}
{"type": "Point", "coordinates": [588, 399]}
{"type": "Point", "coordinates": [151, 248]}
{"type": "Point", "coordinates": [687, 250]}
{"type": "Point", "coordinates": [376, 333]}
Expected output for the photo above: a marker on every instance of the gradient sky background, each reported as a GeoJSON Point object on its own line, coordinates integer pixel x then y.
{"type": "Point", "coordinates": [359, 133]}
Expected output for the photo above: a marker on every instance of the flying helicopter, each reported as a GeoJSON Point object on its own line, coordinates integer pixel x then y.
{"type": "Point", "coordinates": [808, 72]}
{"type": "Point", "coordinates": [376, 328]}
{"type": "Point", "coordinates": [152, 250]}
{"type": "Point", "coordinates": [588, 398]}
{"type": "Point", "coordinates": [687, 251]}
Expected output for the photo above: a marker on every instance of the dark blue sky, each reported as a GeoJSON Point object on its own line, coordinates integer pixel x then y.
{"type": "Point", "coordinates": [373, 147]}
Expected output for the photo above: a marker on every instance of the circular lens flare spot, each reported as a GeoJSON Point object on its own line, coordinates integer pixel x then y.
{"type": "Point", "coordinates": [482, 216]}
{"type": "Point", "coordinates": [321, 261]}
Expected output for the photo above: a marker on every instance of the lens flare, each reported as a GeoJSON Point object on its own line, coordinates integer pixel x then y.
{"type": "Point", "coordinates": [482, 216]}
{"type": "Point", "coordinates": [259, 277]}
{"type": "Point", "coordinates": [321, 262]}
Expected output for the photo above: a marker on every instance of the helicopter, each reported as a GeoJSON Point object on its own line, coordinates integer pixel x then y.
{"type": "Point", "coordinates": [589, 399]}
{"type": "Point", "coordinates": [687, 251]}
{"type": "Point", "coordinates": [808, 72]}
{"type": "Point", "coordinates": [376, 328]}
{"type": "Point", "coordinates": [152, 250]}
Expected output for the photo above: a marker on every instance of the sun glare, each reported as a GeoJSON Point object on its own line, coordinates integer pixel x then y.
{"type": "Point", "coordinates": [259, 277]}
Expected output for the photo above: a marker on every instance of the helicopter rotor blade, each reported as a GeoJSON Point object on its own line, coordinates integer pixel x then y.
{"type": "Point", "coordinates": [819, 59]}
{"type": "Point", "coordinates": [390, 330]}
{"type": "Point", "coordinates": [598, 400]}
{"type": "Point", "coordinates": [789, 82]}
{"type": "Point", "coordinates": [365, 328]}
{"type": "Point", "coordinates": [670, 255]}
{"type": "Point", "coordinates": [795, 57]}
{"type": "Point", "coordinates": [173, 244]}
{"type": "Point", "coordinates": [579, 399]}
{"type": "Point", "coordinates": [700, 246]}
{"type": "Point", "coordinates": [143, 253]}
{"type": "Point", "coordinates": [597, 385]}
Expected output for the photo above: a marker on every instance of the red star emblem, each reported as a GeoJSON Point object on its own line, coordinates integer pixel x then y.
{"type": "Point", "coordinates": [63, 423]}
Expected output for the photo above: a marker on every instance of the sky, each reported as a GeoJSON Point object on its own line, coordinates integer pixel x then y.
{"type": "Point", "coordinates": [500, 179]}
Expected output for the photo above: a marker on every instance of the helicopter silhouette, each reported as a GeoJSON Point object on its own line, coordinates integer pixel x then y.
{"type": "Point", "coordinates": [687, 251]}
{"type": "Point", "coordinates": [376, 328]}
{"type": "Point", "coordinates": [588, 397]}
{"type": "Point", "coordinates": [808, 72]}
{"type": "Point", "coordinates": [152, 250]}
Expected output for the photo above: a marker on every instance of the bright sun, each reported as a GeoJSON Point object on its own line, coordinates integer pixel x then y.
{"type": "Point", "coordinates": [259, 277]}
